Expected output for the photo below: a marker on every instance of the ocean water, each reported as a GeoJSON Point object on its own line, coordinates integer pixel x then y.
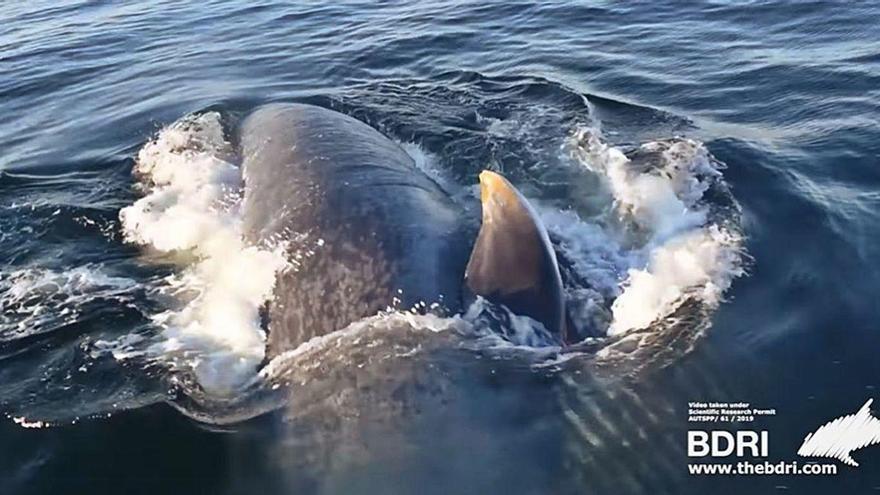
{"type": "Point", "coordinates": [708, 173]}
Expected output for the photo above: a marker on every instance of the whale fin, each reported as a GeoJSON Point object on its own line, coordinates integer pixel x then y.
{"type": "Point", "coordinates": [513, 262]}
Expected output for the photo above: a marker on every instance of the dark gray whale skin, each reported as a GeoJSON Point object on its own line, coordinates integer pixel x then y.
{"type": "Point", "coordinates": [365, 229]}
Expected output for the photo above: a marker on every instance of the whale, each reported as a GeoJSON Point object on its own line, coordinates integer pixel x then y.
{"type": "Point", "coordinates": [365, 230]}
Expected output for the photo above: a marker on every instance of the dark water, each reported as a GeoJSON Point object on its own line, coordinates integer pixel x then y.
{"type": "Point", "coordinates": [785, 94]}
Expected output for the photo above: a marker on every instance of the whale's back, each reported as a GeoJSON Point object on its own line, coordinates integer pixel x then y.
{"type": "Point", "coordinates": [363, 227]}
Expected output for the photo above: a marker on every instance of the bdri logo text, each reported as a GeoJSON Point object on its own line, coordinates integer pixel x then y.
{"type": "Point", "coordinates": [724, 443]}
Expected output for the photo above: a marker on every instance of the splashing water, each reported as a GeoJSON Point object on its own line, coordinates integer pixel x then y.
{"type": "Point", "coordinates": [683, 253]}
{"type": "Point", "coordinates": [193, 205]}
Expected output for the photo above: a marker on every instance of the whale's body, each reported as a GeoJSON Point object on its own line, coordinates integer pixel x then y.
{"type": "Point", "coordinates": [366, 230]}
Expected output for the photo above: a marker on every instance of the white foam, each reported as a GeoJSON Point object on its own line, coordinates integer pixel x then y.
{"type": "Point", "coordinates": [25, 423]}
{"type": "Point", "coordinates": [700, 263]}
{"type": "Point", "coordinates": [193, 205]}
{"type": "Point", "coordinates": [681, 254]}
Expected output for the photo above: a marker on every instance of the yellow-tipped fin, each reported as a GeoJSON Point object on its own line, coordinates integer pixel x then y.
{"type": "Point", "coordinates": [513, 262]}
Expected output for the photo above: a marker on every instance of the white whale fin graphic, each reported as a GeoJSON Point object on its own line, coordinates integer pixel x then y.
{"type": "Point", "coordinates": [839, 437]}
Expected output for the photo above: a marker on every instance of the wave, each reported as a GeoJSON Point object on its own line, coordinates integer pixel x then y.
{"type": "Point", "coordinates": [36, 300]}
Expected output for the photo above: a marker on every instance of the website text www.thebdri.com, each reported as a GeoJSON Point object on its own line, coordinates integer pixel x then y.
{"type": "Point", "coordinates": [746, 468]}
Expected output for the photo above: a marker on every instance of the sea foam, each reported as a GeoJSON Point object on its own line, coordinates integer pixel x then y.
{"type": "Point", "coordinates": [681, 253]}
{"type": "Point", "coordinates": [193, 205]}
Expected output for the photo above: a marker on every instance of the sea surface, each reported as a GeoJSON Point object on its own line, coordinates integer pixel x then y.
{"type": "Point", "coordinates": [709, 174]}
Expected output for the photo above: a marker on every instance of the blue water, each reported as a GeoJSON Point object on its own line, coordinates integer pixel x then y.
{"type": "Point", "coordinates": [784, 93]}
